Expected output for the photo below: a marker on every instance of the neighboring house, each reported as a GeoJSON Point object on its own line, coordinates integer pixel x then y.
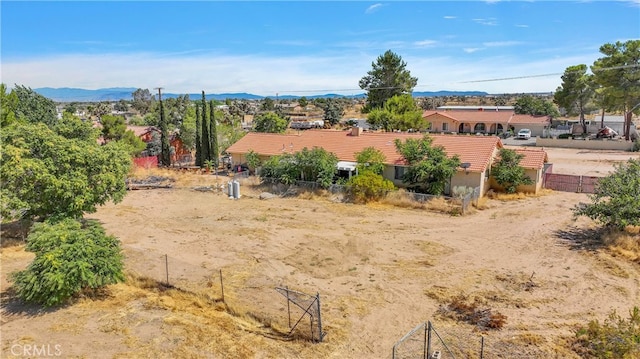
{"type": "Point", "coordinates": [179, 154]}
{"type": "Point", "coordinates": [533, 162]}
{"type": "Point", "coordinates": [595, 122]}
{"type": "Point", "coordinates": [484, 121]}
{"type": "Point", "coordinates": [476, 151]}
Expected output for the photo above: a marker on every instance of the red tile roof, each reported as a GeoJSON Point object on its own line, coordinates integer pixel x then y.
{"type": "Point", "coordinates": [477, 150]}
{"type": "Point", "coordinates": [488, 117]}
{"type": "Point", "coordinates": [141, 130]}
{"type": "Point", "coordinates": [473, 116]}
{"type": "Point", "coordinates": [533, 157]}
{"type": "Point", "coordinates": [529, 119]}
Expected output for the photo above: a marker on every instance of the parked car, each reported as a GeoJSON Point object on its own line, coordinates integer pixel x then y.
{"type": "Point", "coordinates": [524, 134]}
{"type": "Point", "coordinates": [606, 132]}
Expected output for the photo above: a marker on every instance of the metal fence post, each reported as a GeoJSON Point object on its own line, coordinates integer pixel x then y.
{"type": "Point", "coordinates": [319, 317]}
{"type": "Point", "coordinates": [428, 339]}
{"type": "Point", "coordinates": [166, 266]}
{"type": "Point", "coordinates": [481, 347]}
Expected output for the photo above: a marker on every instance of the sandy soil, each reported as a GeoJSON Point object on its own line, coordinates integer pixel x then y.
{"type": "Point", "coordinates": [379, 270]}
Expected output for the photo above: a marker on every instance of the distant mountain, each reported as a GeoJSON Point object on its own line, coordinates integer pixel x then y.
{"type": "Point", "coordinates": [67, 94]}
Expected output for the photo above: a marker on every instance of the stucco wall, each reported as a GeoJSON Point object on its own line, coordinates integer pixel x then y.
{"type": "Point", "coordinates": [585, 144]}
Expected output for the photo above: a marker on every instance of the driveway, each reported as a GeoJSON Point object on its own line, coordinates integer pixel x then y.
{"type": "Point", "coordinates": [512, 141]}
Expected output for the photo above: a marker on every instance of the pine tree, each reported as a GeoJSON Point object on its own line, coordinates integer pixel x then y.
{"type": "Point", "coordinates": [213, 132]}
{"type": "Point", "coordinates": [205, 139]}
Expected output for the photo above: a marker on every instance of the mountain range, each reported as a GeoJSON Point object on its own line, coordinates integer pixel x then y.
{"type": "Point", "coordinates": [66, 94]}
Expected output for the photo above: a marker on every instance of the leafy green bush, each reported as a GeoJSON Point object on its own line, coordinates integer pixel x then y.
{"type": "Point", "coordinates": [615, 338]}
{"type": "Point", "coordinates": [564, 136]}
{"type": "Point", "coordinates": [70, 257]}
{"type": "Point", "coordinates": [616, 199]}
{"type": "Point", "coordinates": [636, 145]}
{"type": "Point", "coordinates": [368, 186]}
{"type": "Point", "coordinates": [508, 172]}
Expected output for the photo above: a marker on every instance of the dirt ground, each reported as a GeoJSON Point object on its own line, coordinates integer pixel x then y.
{"type": "Point", "coordinates": [380, 271]}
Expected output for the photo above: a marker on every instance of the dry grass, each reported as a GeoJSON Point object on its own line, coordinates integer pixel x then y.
{"type": "Point", "coordinates": [505, 197]}
{"type": "Point", "coordinates": [463, 308]}
{"type": "Point", "coordinates": [625, 244]}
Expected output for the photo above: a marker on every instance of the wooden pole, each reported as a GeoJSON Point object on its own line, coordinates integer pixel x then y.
{"type": "Point", "coordinates": [221, 286]}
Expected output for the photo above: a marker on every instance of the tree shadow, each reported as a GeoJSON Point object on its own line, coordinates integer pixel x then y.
{"type": "Point", "coordinates": [576, 238]}
{"type": "Point", "coordinates": [11, 305]}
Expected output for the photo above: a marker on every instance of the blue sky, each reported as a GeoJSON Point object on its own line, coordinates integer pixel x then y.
{"type": "Point", "coordinates": [304, 47]}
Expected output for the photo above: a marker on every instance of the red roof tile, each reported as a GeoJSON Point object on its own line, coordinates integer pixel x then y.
{"type": "Point", "coordinates": [477, 150]}
{"type": "Point", "coordinates": [529, 119]}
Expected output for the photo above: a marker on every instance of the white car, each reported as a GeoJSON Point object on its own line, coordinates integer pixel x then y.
{"type": "Point", "coordinates": [524, 134]}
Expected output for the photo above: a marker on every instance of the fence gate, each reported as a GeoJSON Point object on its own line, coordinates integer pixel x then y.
{"type": "Point", "coordinates": [570, 183]}
{"type": "Point", "coordinates": [310, 305]}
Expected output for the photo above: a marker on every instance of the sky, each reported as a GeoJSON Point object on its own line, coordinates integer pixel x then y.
{"type": "Point", "coordinates": [304, 47]}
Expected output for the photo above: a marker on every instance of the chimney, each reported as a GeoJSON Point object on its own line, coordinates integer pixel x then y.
{"type": "Point", "coordinates": [356, 131]}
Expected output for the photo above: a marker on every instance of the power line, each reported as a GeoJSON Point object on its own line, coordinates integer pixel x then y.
{"type": "Point", "coordinates": [465, 82]}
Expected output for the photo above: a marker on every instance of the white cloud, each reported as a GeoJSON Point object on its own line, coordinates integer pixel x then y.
{"type": "Point", "coordinates": [487, 22]}
{"type": "Point", "coordinates": [521, 25]}
{"type": "Point", "coordinates": [298, 75]}
{"type": "Point", "coordinates": [448, 17]}
{"type": "Point", "coordinates": [373, 8]}
{"type": "Point", "coordinates": [425, 43]}
{"type": "Point", "coordinates": [501, 43]}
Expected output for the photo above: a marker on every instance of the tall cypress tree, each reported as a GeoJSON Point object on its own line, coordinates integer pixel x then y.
{"type": "Point", "coordinates": [213, 132]}
{"type": "Point", "coordinates": [205, 139]}
{"type": "Point", "coordinates": [165, 154]}
{"type": "Point", "coordinates": [198, 137]}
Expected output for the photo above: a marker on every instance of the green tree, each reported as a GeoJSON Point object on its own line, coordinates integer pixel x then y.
{"type": "Point", "coordinates": [71, 126]}
{"type": "Point", "coordinates": [616, 337]}
{"type": "Point", "coordinates": [616, 200]}
{"type": "Point", "coordinates": [188, 128]}
{"type": "Point", "coordinates": [134, 143]}
{"type": "Point", "coordinates": [101, 109]}
{"type": "Point", "coordinates": [113, 127]}
{"type": "Point", "coordinates": [267, 104]}
{"type": "Point", "coordinates": [8, 106]}
{"type": "Point", "coordinates": [398, 113]}
{"type": "Point", "coordinates": [618, 74]}
{"type": "Point", "coordinates": [333, 111]}
{"type": "Point", "coordinates": [575, 93]}
{"type": "Point", "coordinates": [253, 160]}
{"type": "Point", "coordinates": [199, 160]}
{"type": "Point", "coordinates": [142, 100]}
{"type": "Point", "coordinates": [43, 174]}
{"type": "Point", "coordinates": [369, 186]}
{"type": "Point", "coordinates": [33, 107]}
{"type": "Point", "coordinates": [270, 122]}
{"type": "Point", "coordinates": [205, 139]}
{"type": "Point", "coordinates": [71, 107]}
{"type": "Point", "coordinates": [213, 132]}
{"type": "Point", "coordinates": [281, 168]}
{"type": "Point", "coordinates": [387, 78]}
{"type": "Point", "coordinates": [165, 151]}
{"type": "Point", "coordinates": [429, 168]}
{"type": "Point", "coordinates": [507, 171]}
{"type": "Point", "coordinates": [70, 257]}
{"type": "Point", "coordinates": [303, 102]}
{"type": "Point", "coordinates": [121, 106]}
{"type": "Point", "coordinates": [370, 159]}
{"type": "Point", "coordinates": [535, 106]}
{"type": "Point", "coordinates": [316, 165]}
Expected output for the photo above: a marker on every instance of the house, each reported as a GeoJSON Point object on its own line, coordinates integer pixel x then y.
{"type": "Point", "coordinates": [476, 152]}
{"type": "Point", "coordinates": [179, 152]}
{"type": "Point", "coordinates": [533, 162]}
{"type": "Point", "coordinates": [484, 121]}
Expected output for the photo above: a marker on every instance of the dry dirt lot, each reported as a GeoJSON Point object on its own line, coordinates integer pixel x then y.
{"type": "Point", "coordinates": [380, 270]}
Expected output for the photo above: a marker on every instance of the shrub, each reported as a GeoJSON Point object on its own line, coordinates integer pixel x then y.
{"type": "Point", "coordinates": [564, 136]}
{"type": "Point", "coordinates": [614, 338]}
{"type": "Point", "coordinates": [70, 257]}
{"type": "Point", "coordinates": [369, 186]}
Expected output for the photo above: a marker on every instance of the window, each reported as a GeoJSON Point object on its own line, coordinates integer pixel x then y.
{"type": "Point", "coordinates": [445, 126]}
{"type": "Point", "coordinates": [400, 170]}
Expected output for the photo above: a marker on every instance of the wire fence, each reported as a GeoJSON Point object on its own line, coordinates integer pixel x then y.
{"type": "Point", "coordinates": [462, 203]}
{"type": "Point", "coordinates": [452, 341]}
{"type": "Point", "coordinates": [218, 285]}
